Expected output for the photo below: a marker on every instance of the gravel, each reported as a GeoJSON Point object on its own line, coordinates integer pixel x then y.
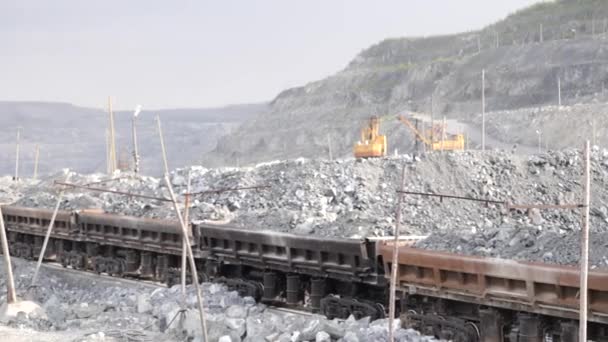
{"type": "Point", "coordinates": [102, 309]}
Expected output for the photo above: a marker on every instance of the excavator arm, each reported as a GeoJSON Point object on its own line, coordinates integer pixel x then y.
{"type": "Point", "coordinates": [413, 129]}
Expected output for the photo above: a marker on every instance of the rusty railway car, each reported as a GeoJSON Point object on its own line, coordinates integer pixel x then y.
{"type": "Point", "coordinates": [26, 228]}
{"type": "Point", "coordinates": [467, 298]}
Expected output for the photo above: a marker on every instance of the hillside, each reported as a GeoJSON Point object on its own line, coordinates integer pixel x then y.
{"type": "Point", "coordinates": [189, 133]}
{"type": "Point", "coordinates": [404, 74]}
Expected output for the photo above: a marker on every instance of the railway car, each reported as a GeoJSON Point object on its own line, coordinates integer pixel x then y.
{"type": "Point", "coordinates": [336, 277]}
{"type": "Point", "coordinates": [454, 297]}
{"type": "Point", "coordinates": [26, 228]}
{"type": "Point", "coordinates": [466, 298]}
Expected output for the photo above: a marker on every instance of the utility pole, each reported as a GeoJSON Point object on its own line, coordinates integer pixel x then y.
{"type": "Point", "coordinates": [108, 171]}
{"type": "Point", "coordinates": [36, 157]}
{"type": "Point", "coordinates": [17, 154]}
{"type": "Point", "coordinates": [478, 44]}
{"type": "Point", "coordinates": [112, 138]}
{"type": "Point", "coordinates": [134, 134]}
{"type": "Point", "coordinates": [395, 261]}
{"type": "Point", "coordinates": [497, 40]}
{"type": "Point", "coordinates": [49, 230]}
{"type": "Point", "coordinates": [443, 134]}
{"type": "Point", "coordinates": [329, 145]}
{"type": "Point", "coordinates": [541, 33]}
{"type": "Point", "coordinates": [483, 109]}
{"type": "Point", "coordinates": [186, 239]}
{"type": "Point", "coordinates": [11, 296]}
{"type": "Point", "coordinates": [187, 221]}
{"type": "Point", "coordinates": [432, 123]}
{"type": "Point", "coordinates": [539, 134]}
{"type": "Point", "coordinates": [593, 130]}
{"type": "Point", "coordinates": [584, 261]}
{"type": "Point", "coordinates": [559, 91]}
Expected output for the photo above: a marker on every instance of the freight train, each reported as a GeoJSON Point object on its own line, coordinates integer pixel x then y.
{"type": "Point", "coordinates": [454, 297]}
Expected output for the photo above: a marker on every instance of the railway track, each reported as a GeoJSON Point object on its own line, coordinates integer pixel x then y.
{"type": "Point", "coordinates": [56, 268]}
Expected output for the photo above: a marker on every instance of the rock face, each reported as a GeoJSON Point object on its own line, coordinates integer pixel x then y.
{"type": "Point", "coordinates": [357, 198]}
{"type": "Point", "coordinates": [560, 127]}
{"type": "Point", "coordinates": [402, 74]}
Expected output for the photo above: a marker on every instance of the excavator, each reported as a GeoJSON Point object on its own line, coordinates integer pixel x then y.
{"type": "Point", "coordinates": [446, 141]}
{"type": "Point", "coordinates": [372, 144]}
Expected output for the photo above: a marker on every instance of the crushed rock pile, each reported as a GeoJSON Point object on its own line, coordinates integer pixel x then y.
{"type": "Point", "coordinates": [526, 244]}
{"type": "Point", "coordinates": [356, 198]}
{"type": "Point", "coordinates": [104, 309]}
{"type": "Point", "coordinates": [11, 191]}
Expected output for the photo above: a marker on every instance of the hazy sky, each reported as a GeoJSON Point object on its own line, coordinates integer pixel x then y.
{"type": "Point", "coordinates": [204, 53]}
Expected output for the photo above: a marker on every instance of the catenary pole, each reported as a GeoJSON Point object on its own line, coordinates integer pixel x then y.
{"type": "Point", "coordinates": [112, 138]}
{"type": "Point", "coordinates": [17, 153]}
{"type": "Point", "coordinates": [395, 261]}
{"type": "Point", "coordinates": [187, 220]}
{"type": "Point", "coordinates": [49, 230]}
{"type": "Point", "coordinates": [199, 296]}
{"type": "Point", "coordinates": [36, 158]}
{"type": "Point", "coordinates": [11, 296]}
{"type": "Point", "coordinates": [584, 262]}
{"type": "Point", "coordinates": [483, 109]}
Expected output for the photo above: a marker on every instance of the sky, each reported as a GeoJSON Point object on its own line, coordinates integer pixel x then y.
{"type": "Point", "coordinates": [178, 54]}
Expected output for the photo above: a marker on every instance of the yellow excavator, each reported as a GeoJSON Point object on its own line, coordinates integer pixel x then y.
{"type": "Point", "coordinates": [372, 144]}
{"type": "Point", "coordinates": [440, 141]}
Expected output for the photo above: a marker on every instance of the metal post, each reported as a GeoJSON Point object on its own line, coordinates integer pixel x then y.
{"type": "Point", "coordinates": [36, 157]}
{"type": "Point", "coordinates": [17, 153]}
{"type": "Point", "coordinates": [199, 296]}
{"type": "Point", "coordinates": [432, 123]}
{"type": "Point", "coordinates": [478, 44]}
{"type": "Point", "coordinates": [108, 156]}
{"type": "Point", "coordinates": [11, 297]}
{"type": "Point", "coordinates": [135, 152]}
{"type": "Point", "coordinates": [584, 263]}
{"type": "Point", "coordinates": [134, 134]}
{"type": "Point", "coordinates": [483, 109]}
{"type": "Point", "coordinates": [162, 145]}
{"type": "Point", "coordinates": [48, 231]}
{"type": "Point", "coordinates": [329, 146]}
{"type": "Point", "coordinates": [593, 141]}
{"type": "Point", "coordinates": [187, 220]}
{"type": "Point", "coordinates": [559, 92]}
{"type": "Point", "coordinates": [112, 138]}
{"type": "Point", "coordinates": [416, 140]}
{"type": "Point", "coordinates": [443, 134]}
{"type": "Point", "coordinates": [395, 261]}
{"type": "Point", "coordinates": [541, 33]}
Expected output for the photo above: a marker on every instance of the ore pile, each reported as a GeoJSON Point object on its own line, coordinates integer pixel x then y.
{"type": "Point", "coordinates": [103, 309]}
{"type": "Point", "coordinates": [11, 191]}
{"type": "Point", "coordinates": [525, 244]}
{"type": "Point", "coordinates": [356, 198]}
